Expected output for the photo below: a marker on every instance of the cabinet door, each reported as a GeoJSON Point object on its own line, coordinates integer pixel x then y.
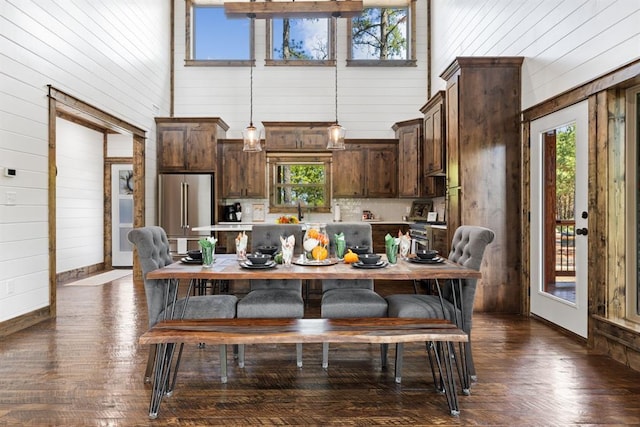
{"type": "Point", "coordinates": [200, 149]}
{"type": "Point", "coordinates": [453, 148]}
{"type": "Point", "coordinates": [313, 139]}
{"type": "Point", "coordinates": [382, 171]}
{"type": "Point", "coordinates": [254, 172]}
{"type": "Point", "coordinates": [281, 138]}
{"type": "Point", "coordinates": [434, 161]}
{"type": "Point", "coordinates": [243, 173]}
{"type": "Point", "coordinates": [409, 165]}
{"type": "Point", "coordinates": [231, 169]}
{"type": "Point", "coordinates": [171, 141]}
{"type": "Point", "coordinates": [349, 172]}
{"type": "Point", "coordinates": [438, 148]}
{"type": "Point", "coordinates": [434, 186]}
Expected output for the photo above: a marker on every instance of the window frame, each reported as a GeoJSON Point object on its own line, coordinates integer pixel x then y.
{"type": "Point", "coordinates": [276, 159]}
{"type": "Point", "coordinates": [411, 43]}
{"type": "Point", "coordinates": [189, 44]}
{"type": "Point", "coordinates": [270, 61]}
{"type": "Point", "coordinates": [632, 303]}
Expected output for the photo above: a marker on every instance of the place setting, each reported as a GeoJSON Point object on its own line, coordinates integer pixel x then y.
{"type": "Point", "coordinates": [193, 257]}
{"type": "Point", "coordinates": [369, 261]}
{"type": "Point", "coordinates": [258, 261]}
{"type": "Point", "coordinates": [426, 256]}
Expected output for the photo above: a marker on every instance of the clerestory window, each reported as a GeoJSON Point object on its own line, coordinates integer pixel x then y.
{"type": "Point", "coordinates": [383, 36]}
{"type": "Point", "coordinates": [300, 41]}
{"type": "Point", "coordinates": [213, 39]}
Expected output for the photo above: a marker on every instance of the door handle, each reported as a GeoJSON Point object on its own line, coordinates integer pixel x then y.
{"type": "Point", "coordinates": [582, 231]}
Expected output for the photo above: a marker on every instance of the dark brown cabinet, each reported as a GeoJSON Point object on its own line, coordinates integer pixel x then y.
{"type": "Point", "coordinates": [188, 144]}
{"type": "Point", "coordinates": [366, 170]}
{"type": "Point", "coordinates": [286, 136]}
{"type": "Point", "coordinates": [483, 167]}
{"type": "Point", "coordinates": [242, 174]}
{"type": "Point", "coordinates": [434, 133]}
{"type": "Point", "coordinates": [409, 135]}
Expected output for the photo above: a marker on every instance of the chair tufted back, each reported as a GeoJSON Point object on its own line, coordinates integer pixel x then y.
{"type": "Point", "coordinates": [153, 252]}
{"type": "Point", "coordinates": [467, 248]}
{"type": "Point", "coordinates": [468, 245]}
{"type": "Point", "coordinates": [355, 234]}
{"type": "Point", "coordinates": [269, 235]}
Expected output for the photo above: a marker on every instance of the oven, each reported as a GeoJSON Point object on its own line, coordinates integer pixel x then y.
{"type": "Point", "coordinates": [421, 236]}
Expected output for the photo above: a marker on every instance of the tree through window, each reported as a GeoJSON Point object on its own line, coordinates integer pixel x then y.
{"type": "Point", "coordinates": [380, 34]}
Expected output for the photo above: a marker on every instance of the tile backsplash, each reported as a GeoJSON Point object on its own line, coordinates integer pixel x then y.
{"type": "Point", "coordinates": [350, 209]}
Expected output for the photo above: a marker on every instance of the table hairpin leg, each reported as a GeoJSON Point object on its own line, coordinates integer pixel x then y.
{"type": "Point", "coordinates": [161, 372]}
{"type": "Point", "coordinates": [460, 355]}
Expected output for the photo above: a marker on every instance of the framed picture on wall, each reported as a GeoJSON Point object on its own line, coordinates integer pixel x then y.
{"type": "Point", "coordinates": [258, 212]}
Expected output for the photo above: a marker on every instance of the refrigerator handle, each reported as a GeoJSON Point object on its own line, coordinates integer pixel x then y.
{"type": "Point", "coordinates": [186, 204]}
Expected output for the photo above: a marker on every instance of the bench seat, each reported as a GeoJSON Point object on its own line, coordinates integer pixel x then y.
{"type": "Point", "coordinates": [167, 333]}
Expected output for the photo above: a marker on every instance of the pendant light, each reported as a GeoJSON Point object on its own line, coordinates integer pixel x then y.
{"type": "Point", "coordinates": [335, 131]}
{"type": "Point", "coordinates": [251, 134]}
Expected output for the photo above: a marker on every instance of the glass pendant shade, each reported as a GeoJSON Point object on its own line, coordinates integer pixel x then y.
{"type": "Point", "coordinates": [251, 137]}
{"type": "Point", "coordinates": [336, 137]}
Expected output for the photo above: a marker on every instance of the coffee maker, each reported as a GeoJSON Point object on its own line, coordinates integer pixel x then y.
{"type": "Point", "coordinates": [233, 213]}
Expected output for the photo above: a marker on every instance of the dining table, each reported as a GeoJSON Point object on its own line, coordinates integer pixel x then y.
{"type": "Point", "coordinates": [229, 267]}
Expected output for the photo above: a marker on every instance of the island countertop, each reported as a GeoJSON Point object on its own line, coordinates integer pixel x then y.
{"type": "Point", "coordinates": [248, 226]}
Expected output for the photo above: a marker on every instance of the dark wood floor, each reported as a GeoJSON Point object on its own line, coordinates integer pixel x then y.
{"type": "Point", "coordinates": [86, 368]}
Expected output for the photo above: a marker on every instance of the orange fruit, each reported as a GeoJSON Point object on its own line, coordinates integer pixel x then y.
{"type": "Point", "coordinates": [319, 253]}
{"type": "Point", "coordinates": [312, 233]}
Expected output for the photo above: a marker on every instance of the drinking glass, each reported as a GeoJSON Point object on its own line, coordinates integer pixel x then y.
{"type": "Point", "coordinates": [392, 253]}
{"type": "Point", "coordinates": [287, 256]}
{"type": "Point", "coordinates": [207, 256]}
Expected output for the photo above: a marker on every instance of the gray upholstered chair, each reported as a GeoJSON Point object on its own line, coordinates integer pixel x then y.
{"type": "Point", "coordinates": [273, 298]}
{"type": "Point", "coordinates": [343, 298]}
{"type": "Point", "coordinates": [467, 248]}
{"type": "Point", "coordinates": [152, 247]}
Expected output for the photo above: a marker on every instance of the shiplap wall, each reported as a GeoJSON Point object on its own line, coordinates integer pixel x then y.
{"type": "Point", "coordinates": [565, 42]}
{"type": "Point", "coordinates": [370, 99]}
{"type": "Point", "coordinates": [114, 55]}
{"type": "Point", "coordinates": [79, 196]}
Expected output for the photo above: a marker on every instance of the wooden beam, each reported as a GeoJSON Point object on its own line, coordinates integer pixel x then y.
{"type": "Point", "coordinates": [293, 9]}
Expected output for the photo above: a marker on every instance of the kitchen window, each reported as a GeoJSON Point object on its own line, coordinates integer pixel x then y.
{"type": "Point", "coordinates": [300, 41]}
{"type": "Point", "coordinates": [383, 36]}
{"type": "Point", "coordinates": [213, 39]}
{"type": "Point", "coordinates": [304, 180]}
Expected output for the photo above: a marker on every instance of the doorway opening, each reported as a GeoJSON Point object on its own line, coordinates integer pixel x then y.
{"type": "Point", "coordinates": [65, 106]}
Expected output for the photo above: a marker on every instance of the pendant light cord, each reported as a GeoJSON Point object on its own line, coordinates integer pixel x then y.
{"type": "Point", "coordinates": [251, 95]}
{"type": "Point", "coordinates": [336, 77]}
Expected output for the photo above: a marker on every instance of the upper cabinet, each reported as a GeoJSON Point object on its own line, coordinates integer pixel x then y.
{"type": "Point", "coordinates": [286, 136]}
{"type": "Point", "coordinates": [409, 135]}
{"type": "Point", "coordinates": [243, 174]}
{"type": "Point", "coordinates": [188, 144]}
{"type": "Point", "coordinates": [434, 135]}
{"type": "Point", "coordinates": [367, 169]}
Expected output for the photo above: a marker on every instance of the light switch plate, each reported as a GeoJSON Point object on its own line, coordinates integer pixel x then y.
{"type": "Point", "coordinates": [11, 198]}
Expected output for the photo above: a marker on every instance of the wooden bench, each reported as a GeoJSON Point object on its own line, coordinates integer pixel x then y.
{"type": "Point", "coordinates": [167, 334]}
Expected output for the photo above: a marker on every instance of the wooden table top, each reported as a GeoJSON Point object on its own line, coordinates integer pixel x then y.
{"type": "Point", "coordinates": [226, 267]}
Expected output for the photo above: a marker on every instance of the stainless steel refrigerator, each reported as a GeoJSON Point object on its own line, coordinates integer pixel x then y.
{"type": "Point", "coordinates": [185, 201]}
